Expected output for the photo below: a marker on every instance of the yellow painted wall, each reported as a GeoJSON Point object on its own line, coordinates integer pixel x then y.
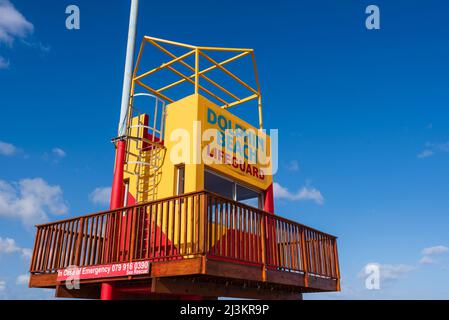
{"type": "Point", "coordinates": [181, 115]}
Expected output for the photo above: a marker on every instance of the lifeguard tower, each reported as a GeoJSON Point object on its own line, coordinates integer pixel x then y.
{"type": "Point", "coordinates": [192, 210]}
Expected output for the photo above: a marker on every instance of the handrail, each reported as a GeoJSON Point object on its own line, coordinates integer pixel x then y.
{"type": "Point", "coordinates": [185, 226]}
{"type": "Point", "coordinates": [268, 213]}
{"type": "Point", "coordinates": [118, 209]}
{"type": "Point", "coordinates": [216, 90]}
{"type": "Point", "coordinates": [183, 195]}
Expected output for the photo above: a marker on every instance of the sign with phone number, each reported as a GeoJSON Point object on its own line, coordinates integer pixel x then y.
{"type": "Point", "coordinates": [104, 271]}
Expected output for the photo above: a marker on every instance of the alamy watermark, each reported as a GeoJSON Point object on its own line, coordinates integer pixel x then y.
{"type": "Point", "coordinates": [73, 278]}
{"type": "Point", "coordinates": [73, 20]}
{"type": "Point", "coordinates": [252, 151]}
{"type": "Point", "coordinates": [372, 280]}
{"type": "Point", "coordinates": [372, 22]}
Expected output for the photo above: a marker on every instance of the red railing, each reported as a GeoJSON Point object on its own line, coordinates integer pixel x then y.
{"type": "Point", "coordinates": [248, 235]}
{"type": "Point", "coordinates": [181, 227]}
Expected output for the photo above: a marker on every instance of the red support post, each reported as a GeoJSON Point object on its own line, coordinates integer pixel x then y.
{"type": "Point", "coordinates": [269, 200]}
{"type": "Point", "coordinates": [117, 182]}
{"type": "Point", "coordinates": [107, 289]}
{"type": "Point", "coordinates": [270, 228]}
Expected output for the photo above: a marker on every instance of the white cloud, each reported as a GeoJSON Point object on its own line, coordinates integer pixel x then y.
{"type": "Point", "coordinates": [293, 165]}
{"type": "Point", "coordinates": [389, 272]}
{"type": "Point", "coordinates": [436, 250]}
{"type": "Point", "coordinates": [100, 196]}
{"type": "Point", "coordinates": [4, 64]}
{"type": "Point", "coordinates": [27, 253]}
{"type": "Point", "coordinates": [433, 148]}
{"type": "Point", "coordinates": [59, 152]}
{"type": "Point", "coordinates": [9, 246]}
{"type": "Point", "coordinates": [2, 285]}
{"type": "Point", "coordinates": [7, 149]}
{"type": "Point", "coordinates": [394, 271]}
{"type": "Point", "coordinates": [426, 154]}
{"type": "Point", "coordinates": [430, 252]}
{"type": "Point", "coordinates": [427, 260]}
{"type": "Point", "coordinates": [37, 45]}
{"type": "Point", "coordinates": [305, 193]}
{"type": "Point", "coordinates": [23, 279]}
{"type": "Point", "coordinates": [55, 155]}
{"type": "Point", "coordinates": [31, 200]}
{"type": "Point", "coordinates": [12, 23]}
{"type": "Point", "coordinates": [444, 147]}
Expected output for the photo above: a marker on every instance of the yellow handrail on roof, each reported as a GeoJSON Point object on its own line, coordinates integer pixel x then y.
{"type": "Point", "coordinates": [199, 52]}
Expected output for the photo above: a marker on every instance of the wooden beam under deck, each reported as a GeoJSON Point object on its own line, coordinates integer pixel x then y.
{"type": "Point", "coordinates": [206, 287]}
{"type": "Point", "coordinates": [46, 280]}
{"type": "Point", "coordinates": [182, 267]}
{"type": "Point", "coordinates": [211, 278]}
{"type": "Point", "coordinates": [85, 291]}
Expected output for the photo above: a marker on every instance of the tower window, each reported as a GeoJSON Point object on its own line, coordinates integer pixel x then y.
{"type": "Point", "coordinates": [231, 189]}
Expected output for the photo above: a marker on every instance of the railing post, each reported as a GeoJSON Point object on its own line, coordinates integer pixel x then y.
{"type": "Point", "coordinates": [79, 242]}
{"type": "Point", "coordinates": [304, 259]}
{"type": "Point", "coordinates": [57, 256]}
{"type": "Point", "coordinates": [263, 240]}
{"type": "Point", "coordinates": [133, 233]}
{"type": "Point", "coordinates": [203, 224]}
{"type": "Point", "coordinates": [35, 251]}
{"type": "Point", "coordinates": [337, 265]}
{"type": "Point", "coordinates": [197, 66]}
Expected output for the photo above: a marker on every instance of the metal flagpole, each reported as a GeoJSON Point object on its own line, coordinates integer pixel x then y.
{"type": "Point", "coordinates": [128, 68]}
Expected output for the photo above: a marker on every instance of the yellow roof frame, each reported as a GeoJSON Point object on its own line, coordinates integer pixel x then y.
{"type": "Point", "coordinates": [194, 79]}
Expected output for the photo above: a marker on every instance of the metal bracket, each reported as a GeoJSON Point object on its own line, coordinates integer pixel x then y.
{"type": "Point", "coordinates": [121, 138]}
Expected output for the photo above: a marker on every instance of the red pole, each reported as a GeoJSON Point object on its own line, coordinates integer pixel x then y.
{"type": "Point", "coordinates": [268, 206]}
{"type": "Point", "coordinates": [117, 182]}
{"type": "Point", "coordinates": [269, 200]}
{"type": "Point", "coordinates": [107, 289]}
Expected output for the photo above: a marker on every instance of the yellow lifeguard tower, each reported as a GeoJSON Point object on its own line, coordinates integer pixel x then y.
{"type": "Point", "coordinates": [194, 143]}
{"type": "Point", "coordinates": [196, 211]}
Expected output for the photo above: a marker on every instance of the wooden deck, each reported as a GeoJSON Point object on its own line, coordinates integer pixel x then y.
{"type": "Point", "coordinates": [197, 244]}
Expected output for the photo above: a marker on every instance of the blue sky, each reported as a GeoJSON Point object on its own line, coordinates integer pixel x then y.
{"type": "Point", "coordinates": [362, 115]}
